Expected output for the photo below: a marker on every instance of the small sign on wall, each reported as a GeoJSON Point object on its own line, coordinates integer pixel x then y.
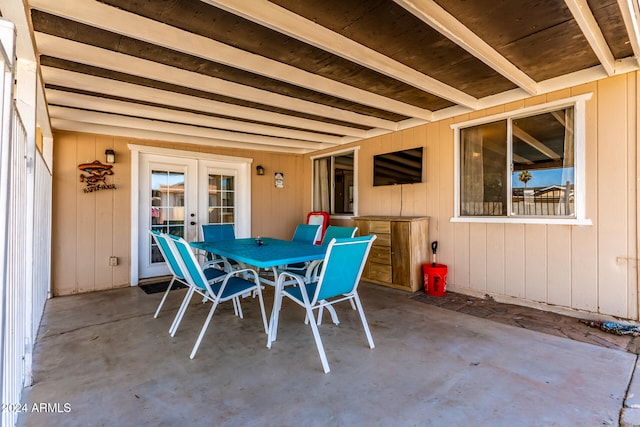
{"type": "Point", "coordinates": [278, 179]}
{"type": "Point", "coordinates": [96, 177]}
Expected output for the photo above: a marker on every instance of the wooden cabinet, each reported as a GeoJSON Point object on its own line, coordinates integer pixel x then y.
{"type": "Point", "coordinates": [397, 254]}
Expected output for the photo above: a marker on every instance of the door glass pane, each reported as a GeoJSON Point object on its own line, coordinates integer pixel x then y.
{"type": "Point", "coordinates": [543, 164]}
{"type": "Point", "coordinates": [167, 206]}
{"type": "Point", "coordinates": [222, 196]}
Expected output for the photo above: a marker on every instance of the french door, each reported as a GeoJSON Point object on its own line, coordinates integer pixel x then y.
{"type": "Point", "coordinates": [177, 195]}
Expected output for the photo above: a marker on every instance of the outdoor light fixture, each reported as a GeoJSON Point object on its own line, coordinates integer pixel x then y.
{"type": "Point", "coordinates": [259, 170]}
{"type": "Point", "coordinates": [110, 156]}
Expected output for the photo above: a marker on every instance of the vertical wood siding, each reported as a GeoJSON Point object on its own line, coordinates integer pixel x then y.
{"type": "Point", "coordinates": [88, 228]}
{"type": "Point", "coordinates": [591, 268]}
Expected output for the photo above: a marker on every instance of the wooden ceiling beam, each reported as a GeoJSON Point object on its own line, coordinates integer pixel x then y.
{"type": "Point", "coordinates": [439, 19]}
{"type": "Point", "coordinates": [107, 59]}
{"type": "Point", "coordinates": [70, 79]}
{"type": "Point", "coordinates": [93, 103]}
{"type": "Point", "coordinates": [93, 117]}
{"type": "Point", "coordinates": [279, 19]}
{"type": "Point", "coordinates": [93, 128]}
{"type": "Point", "coordinates": [535, 143]}
{"type": "Point", "coordinates": [630, 10]}
{"type": "Point", "coordinates": [99, 15]}
{"type": "Point", "coordinates": [587, 23]}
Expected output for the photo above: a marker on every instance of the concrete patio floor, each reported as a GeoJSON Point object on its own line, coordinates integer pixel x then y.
{"type": "Point", "coordinates": [105, 361]}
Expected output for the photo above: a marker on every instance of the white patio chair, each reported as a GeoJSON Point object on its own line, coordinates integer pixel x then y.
{"type": "Point", "coordinates": [232, 286]}
{"type": "Point", "coordinates": [338, 281]}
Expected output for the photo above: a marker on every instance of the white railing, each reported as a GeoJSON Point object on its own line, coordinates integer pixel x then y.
{"type": "Point", "coordinates": [15, 321]}
{"type": "Point", "coordinates": [25, 237]}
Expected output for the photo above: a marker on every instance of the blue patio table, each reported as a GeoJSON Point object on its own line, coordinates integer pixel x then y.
{"type": "Point", "coordinates": [264, 252]}
{"type": "Point", "coordinates": [270, 254]}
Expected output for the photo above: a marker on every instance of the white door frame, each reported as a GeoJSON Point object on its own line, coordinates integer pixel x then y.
{"type": "Point", "coordinates": [243, 193]}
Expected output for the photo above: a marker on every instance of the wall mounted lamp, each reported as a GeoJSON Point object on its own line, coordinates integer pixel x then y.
{"type": "Point", "coordinates": [259, 170]}
{"type": "Point", "coordinates": [110, 156]}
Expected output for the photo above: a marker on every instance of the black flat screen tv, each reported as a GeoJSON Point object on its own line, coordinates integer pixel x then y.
{"type": "Point", "coordinates": [399, 167]}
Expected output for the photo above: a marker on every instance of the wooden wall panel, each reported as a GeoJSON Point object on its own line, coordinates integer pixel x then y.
{"type": "Point", "coordinates": [515, 260]}
{"type": "Point", "coordinates": [559, 265]}
{"type": "Point", "coordinates": [440, 227]}
{"type": "Point", "coordinates": [495, 258]}
{"type": "Point", "coordinates": [121, 239]}
{"type": "Point", "coordinates": [584, 265]}
{"type": "Point", "coordinates": [612, 185]}
{"type": "Point", "coordinates": [633, 108]}
{"type": "Point", "coordinates": [535, 253]}
{"type": "Point", "coordinates": [591, 268]}
{"type": "Point", "coordinates": [105, 232]}
{"type": "Point", "coordinates": [63, 227]}
{"type": "Point", "coordinates": [89, 228]}
{"type": "Point", "coordinates": [478, 257]}
{"type": "Point", "coordinates": [580, 267]}
{"type": "Point", "coordinates": [460, 263]}
{"type": "Point", "coordinates": [85, 216]}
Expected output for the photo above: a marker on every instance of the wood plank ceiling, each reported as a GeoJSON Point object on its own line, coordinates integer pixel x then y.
{"type": "Point", "coordinates": [299, 76]}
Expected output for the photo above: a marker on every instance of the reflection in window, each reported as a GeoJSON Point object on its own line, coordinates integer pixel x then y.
{"type": "Point", "coordinates": [221, 209]}
{"type": "Point", "coordinates": [521, 166]}
{"type": "Point", "coordinates": [167, 206]}
{"type": "Point", "coordinates": [333, 184]}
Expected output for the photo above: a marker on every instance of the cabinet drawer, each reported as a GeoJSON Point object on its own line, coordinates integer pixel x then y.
{"type": "Point", "coordinates": [380, 272]}
{"type": "Point", "coordinates": [376, 227]}
{"type": "Point", "coordinates": [380, 254]}
{"type": "Point", "coordinates": [382, 240]}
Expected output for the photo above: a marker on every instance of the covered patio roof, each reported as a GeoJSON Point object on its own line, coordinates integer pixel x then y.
{"type": "Point", "coordinates": [297, 77]}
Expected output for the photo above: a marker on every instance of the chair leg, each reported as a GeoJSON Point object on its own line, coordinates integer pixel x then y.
{"type": "Point", "coordinates": [332, 312]}
{"type": "Point", "coordinates": [204, 329]}
{"type": "Point", "coordinates": [275, 314]}
{"type": "Point", "coordinates": [356, 298]}
{"type": "Point", "coordinates": [264, 314]}
{"type": "Point", "coordinates": [237, 308]}
{"type": "Point", "coordinates": [316, 336]}
{"type": "Point", "coordinates": [164, 297]}
{"type": "Point", "coordinates": [181, 311]}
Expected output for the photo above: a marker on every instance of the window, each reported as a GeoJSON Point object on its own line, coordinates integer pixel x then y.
{"type": "Point", "coordinates": [334, 183]}
{"type": "Point", "coordinates": [527, 166]}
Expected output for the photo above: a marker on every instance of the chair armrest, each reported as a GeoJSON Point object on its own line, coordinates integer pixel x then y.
{"type": "Point", "coordinates": [244, 273]}
{"type": "Point", "coordinates": [288, 278]}
{"type": "Point", "coordinates": [217, 263]}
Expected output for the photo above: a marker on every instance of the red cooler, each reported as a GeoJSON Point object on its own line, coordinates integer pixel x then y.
{"type": "Point", "coordinates": [435, 279]}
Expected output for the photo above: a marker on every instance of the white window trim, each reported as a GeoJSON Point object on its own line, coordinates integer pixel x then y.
{"type": "Point", "coordinates": [578, 102]}
{"type": "Point", "coordinates": [355, 151]}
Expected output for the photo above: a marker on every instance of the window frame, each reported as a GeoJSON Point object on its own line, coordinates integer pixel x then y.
{"type": "Point", "coordinates": [331, 155]}
{"type": "Point", "coordinates": [578, 103]}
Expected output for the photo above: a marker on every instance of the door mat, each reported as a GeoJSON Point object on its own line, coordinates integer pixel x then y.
{"type": "Point", "coordinates": [154, 288]}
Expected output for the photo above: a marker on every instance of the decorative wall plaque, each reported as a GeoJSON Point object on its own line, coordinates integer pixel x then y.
{"type": "Point", "coordinates": [96, 177]}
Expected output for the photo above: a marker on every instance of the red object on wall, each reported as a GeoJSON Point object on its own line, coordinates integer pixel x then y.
{"type": "Point", "coordinates": [321, 218]}
{"type": "Point", "coordinates": [435, 279]}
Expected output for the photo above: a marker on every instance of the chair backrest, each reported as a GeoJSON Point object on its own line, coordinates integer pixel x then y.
{"type": "Point", "coordinates": [216, 232]}
{"type": "Point", "coordinates": [342, 266]}
{"type": "Point", "coordinates": [167, 254]}
{"type": "Point", "coordinates": [320, 218]}
{"type": "Point", "coordinates": [337, 232]}
{"type": "Point", "coordinates": [189, 264]}
{"type": "Point", "coordinates": [306, 233]}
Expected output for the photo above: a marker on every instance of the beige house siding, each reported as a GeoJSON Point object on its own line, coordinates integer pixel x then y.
{"type": "Point", "coordinates": [591, 268]}
{"type": "Point", "coordinates": [88, 228]}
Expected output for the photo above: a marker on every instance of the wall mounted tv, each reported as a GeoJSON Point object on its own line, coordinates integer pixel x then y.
{"type": "Point", "coordinates": [399, 167]}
